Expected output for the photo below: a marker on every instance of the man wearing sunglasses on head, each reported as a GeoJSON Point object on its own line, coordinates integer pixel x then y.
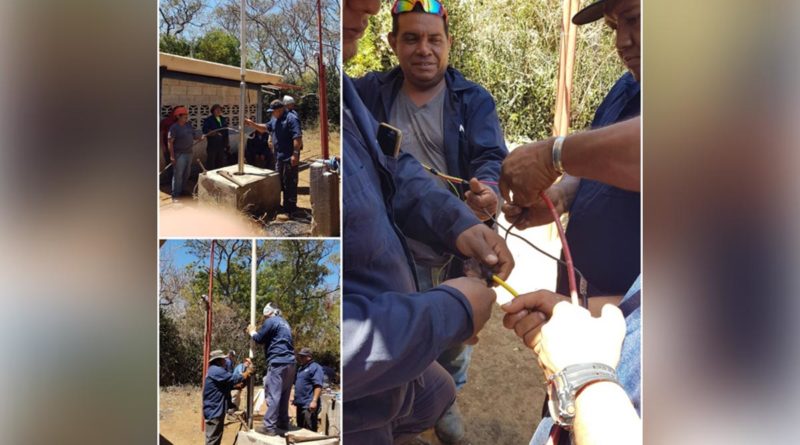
{"type": "Point", "coordinates": [447, 123]}
{"type": "Point", "coordinates": [392, 333]}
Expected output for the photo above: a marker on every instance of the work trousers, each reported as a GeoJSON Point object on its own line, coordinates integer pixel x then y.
{"type": "Point", "coordinates": [288, 176]}
{"type": "Point", "coordinates": [181, 169]}
{"type": "Point", "coordinates": [432, 394]}
{"type": "Point", "coordinates": [277, 386]}
{"type": "Point", "coordinates": [215, 157]}
{"type": "Point", "coordinates": [214, 429]}
{"type": "Point", "coordinates": [307, 418]}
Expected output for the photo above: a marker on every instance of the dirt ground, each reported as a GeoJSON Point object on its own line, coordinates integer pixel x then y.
{"type": "Point", "coordinates": [180, 417]}
{"type": "Point", "coordinates": [175, 217]}
{"type": "Point", "coordinates": [502, 400]}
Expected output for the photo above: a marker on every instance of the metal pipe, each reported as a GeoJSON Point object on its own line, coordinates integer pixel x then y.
{"type": "Point", "coordinates": [242, 85]}
{"type": "Point", "coordinates": [250, 384]}
{"type": "Point", "coordinates": [323, 91]}
{"type": "Point", "coordinates": [209, 325]}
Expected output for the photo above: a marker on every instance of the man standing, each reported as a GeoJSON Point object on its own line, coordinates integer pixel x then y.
{"type": "Point", "coordinates": [392, 333]}
{"type": "Point", "coordinates": [236, 394]}
{"type": "Point", "coordinates": [216, 395]}
{"type": "Point", "coordinates": [448, 123]}
{"type": "Point", "coordinates": [276, 336]}
{"type": "Point", "coordinates": [307, 388]}
{"type": "Point", "coordinates": [181, 138]}
{"type": "Point", "coordinates": [230, 361]}
{"type": "Point", "coordinates": [218, 142]}
{"type": "Point", "coordinates": [602, 199]}
{"type": "Point", "coordinates": [287, 140]}
{"type": "Point", "coordinates": [164, 127]}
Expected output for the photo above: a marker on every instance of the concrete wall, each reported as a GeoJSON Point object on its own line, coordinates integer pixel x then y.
{"type": "Point", "coordinates": [198, 96]}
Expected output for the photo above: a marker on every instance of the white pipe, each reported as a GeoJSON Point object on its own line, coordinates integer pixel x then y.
{"type": "Point", "coordinates": [251, 383]}
{"type": "Point", "coordinates": [242, 85]}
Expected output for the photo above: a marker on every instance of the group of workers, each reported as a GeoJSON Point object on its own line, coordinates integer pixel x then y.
{"type": "Point", "coordinates": [224, 382]}
{"type": "Point", "coordinates": [274, 145]}
{"type": "Point", "coordinates": [410, 314]}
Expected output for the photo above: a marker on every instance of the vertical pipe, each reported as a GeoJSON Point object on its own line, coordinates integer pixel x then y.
{"type": "Point", "coordinates": [250, 384]}
{"type": "Point", "coordinates": [207, 338]}
{"type": "Point", "coordinates": [323, 91]}
{"type": "Point", "coordinates": [565, 70]}
{"type": "Point", "coordinates": [242, 85]}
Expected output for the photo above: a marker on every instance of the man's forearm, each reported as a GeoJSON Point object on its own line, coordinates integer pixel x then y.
{"type": "Point", "coordinates": [610, 154]}
{"type": "Point", "coordinates": [171, 148]}
{"type": "Point", "coordinates": [298, 144]}
{"type": "Point", "coordinates": [605, 415]}
{"type": "Point", "coordinates": [317, 392]}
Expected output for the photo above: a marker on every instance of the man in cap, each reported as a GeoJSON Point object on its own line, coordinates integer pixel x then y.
{"type": "Point", "coordinates": [215, 127]}
{"type": "Point", "coordinates": [291, 106]}
{"type": "Point", "coordinates": [287, 140]}
{"type": "Point", "coordinates": [181, 138]}
{"type": "Point", "coordinates": [216, 395]}
{"type": "Point", "coordinates": [307, 388]}
{"type": "Point", "coordinates": [600, 169]}
{"type": "Point", "coordinates": [448, 123]}
{"type": "Point", "coordinates": [393, 333]}
{"type": "Point", "coordinates": [276, 336]}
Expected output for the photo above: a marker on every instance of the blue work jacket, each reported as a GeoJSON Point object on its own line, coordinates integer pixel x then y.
{"type": "Point", "coordinates": [217, 391]}
{"type": "Point", "coordinates": [391, 333]}
{"type": "Point", "coordinates": [276, 336]}
{"type": "Point", "coordinates": [473, 140]}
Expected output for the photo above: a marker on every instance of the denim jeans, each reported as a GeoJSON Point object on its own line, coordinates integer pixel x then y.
{"type": "Point", "coordinates": [456, 359]}
{"type": "Point", "coordinates": [181, 169]}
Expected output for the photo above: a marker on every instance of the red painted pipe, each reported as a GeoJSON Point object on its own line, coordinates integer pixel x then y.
{"type": "Point", "coordinates": [323, 90]}
{"type": "Point", "coordinates": [209, 324]}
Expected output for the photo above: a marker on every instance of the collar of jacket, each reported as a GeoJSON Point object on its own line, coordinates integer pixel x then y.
{"type": "Point", "coordinates": [391, 81]}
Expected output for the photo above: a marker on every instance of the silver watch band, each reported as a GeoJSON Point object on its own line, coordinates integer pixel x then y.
{"type": "Point", "coordinates": [569, 381]}
{"type": "Point", "coordinates": [557, 146]}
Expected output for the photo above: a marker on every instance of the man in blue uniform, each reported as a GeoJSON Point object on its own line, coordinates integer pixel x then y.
{"type": "Point", "coordinates": [287, 140]}
{"type": "Point", "coordinates": [393, 333]}
{"type": "Point", "coordinates": [603, 203]}
{"type": "Point", "coordinates": [216, 395]}
{"type": "Point", "coordinates": [276, 336]}
{"type": "Point", "coordinates": [448, 123]}
{"type": "Point", "coordinates": [307, 388]}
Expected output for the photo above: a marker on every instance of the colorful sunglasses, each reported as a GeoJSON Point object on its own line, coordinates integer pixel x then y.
{"type": "Point", "coordinates": [428, 6]}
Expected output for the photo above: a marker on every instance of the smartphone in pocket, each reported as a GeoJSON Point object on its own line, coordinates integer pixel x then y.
{"type": "Point", "coordinates": [389, 139]}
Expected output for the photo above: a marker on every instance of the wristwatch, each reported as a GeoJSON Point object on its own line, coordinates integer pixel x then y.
{"type": "Point", "coordinates": [563, 387]}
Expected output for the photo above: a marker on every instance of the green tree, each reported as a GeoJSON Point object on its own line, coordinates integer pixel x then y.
{"type": "Point", "coordinates": [218, 46]}
{"type": "Point", "coordinates": [174, 45]}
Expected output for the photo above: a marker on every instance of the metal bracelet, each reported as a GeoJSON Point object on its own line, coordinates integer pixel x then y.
{"type": "Point", "coordinates": [557, 145]}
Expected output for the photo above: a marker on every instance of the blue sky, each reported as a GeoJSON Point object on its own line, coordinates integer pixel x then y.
{"type": "Point", "coordinates": [182, 257]}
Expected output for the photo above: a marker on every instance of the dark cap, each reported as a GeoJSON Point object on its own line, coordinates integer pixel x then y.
{"type": "Point", "coordinates": [589, 14]}
{"type": "Point", "coordinates": [275, 105]}
{"type": "Point", "coordinates": [305, 351]}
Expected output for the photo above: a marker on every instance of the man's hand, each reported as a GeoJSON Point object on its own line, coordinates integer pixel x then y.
{"type": "Point", "coordinates": [313, 405]}
{"type": "Point", "coordinates": [526, 172]}
{"type": "Point", "coordinates": [527, 313]}
{"type": "Point", "coordinates": [481, 199]}
{"type": "Point", "coordinates": [538, 214]}
{"type": "Point", "coordinates": [249, 122]}
{"type": "Point", "coordinates": [172, 158]}
{"type": "Point", "coordinates": [486, 246]}
{"type": "Point", "coordinates": [249, 329]}
{"type": "Point", "coordinates": [295, 159]}
{"type": "Point", "coordinates": [480, 296]}
{"type": "Point", "coordinates": [573, 336]}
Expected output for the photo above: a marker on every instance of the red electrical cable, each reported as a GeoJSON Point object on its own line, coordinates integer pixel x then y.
{"type": "Point", "coordinates": [573, 287]}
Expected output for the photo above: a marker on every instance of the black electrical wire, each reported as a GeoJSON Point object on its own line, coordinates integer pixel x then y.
{"type": "Point", "coordinates": [584, 297]}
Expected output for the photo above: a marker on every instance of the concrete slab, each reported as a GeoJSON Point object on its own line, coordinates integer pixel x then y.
{"type": "Point", "coordinates": [258, 190]}
{"type": "Point", "coordinates": [254, 438]}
